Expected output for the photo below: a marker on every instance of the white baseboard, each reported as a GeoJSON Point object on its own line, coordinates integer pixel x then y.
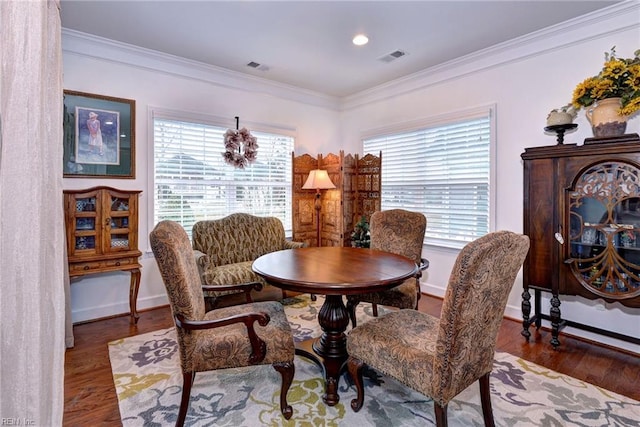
{"type": "Point", "coordinates": [512, 312]}
{"type": "Point", "coordinates": [121, 307]}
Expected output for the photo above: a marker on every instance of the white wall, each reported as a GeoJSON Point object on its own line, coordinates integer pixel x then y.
{"type": "Point", "coordinates": [525, 79]}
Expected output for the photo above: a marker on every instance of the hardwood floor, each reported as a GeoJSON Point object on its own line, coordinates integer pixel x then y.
{"type": "Point", "coordinates": [90, 396]}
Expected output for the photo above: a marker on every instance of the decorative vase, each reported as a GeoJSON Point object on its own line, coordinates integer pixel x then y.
{"type": "Point", "coordinates": [559, 118]}
{"type": "Point", "coordinates": [605, 119]}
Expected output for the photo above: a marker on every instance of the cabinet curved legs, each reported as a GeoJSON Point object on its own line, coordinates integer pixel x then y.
{"type": "Point", "coordinates": [134, 285]}
{"type": "Point", "coordinates": [554, 313]}
{"type": "Point", "coordinates": [526, 312]}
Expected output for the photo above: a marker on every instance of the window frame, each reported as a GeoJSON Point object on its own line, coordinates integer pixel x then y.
{"type": "Point", "coordinates": [443, 120]}
{"type": "Point", "coordinates": [200, 119]}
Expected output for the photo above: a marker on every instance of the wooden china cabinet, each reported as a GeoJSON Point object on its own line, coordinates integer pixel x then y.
{"type": "Point", "coordinates": [102, 235]}
{"type": "Point", "coordinates": [582, 214]}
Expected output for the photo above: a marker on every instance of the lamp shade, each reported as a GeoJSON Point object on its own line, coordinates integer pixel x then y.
{"type": "Point", "coordinates": [318, 179]}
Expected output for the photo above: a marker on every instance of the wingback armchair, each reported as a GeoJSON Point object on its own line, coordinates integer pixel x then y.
{"type": "Point", "coordinates": [400, 232]}
{"type": "Point", "coordinates": [225, 249]}
{"type": "Point", "coordinates": [440, 357]}
{"type": "Point", "coordinates": [231, 337]}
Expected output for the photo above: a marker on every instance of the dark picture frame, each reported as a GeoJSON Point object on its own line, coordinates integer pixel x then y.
{"type": "Point", "coordinates": [99, 136]}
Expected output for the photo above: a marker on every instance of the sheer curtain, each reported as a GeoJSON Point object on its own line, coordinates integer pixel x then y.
{"type": "Point", "coordinates": [32, 299]}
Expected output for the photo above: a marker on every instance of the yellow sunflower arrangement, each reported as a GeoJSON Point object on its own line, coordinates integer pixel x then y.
{"type": "Point", "coordinates": [619, 78]}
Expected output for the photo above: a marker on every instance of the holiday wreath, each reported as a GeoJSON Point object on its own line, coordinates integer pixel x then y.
{"type": "Point", "coordinates": [241, 147]}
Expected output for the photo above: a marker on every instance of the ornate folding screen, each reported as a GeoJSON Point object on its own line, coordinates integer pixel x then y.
{"type": "Point", "coordinates": [357, 193]}
{"type": "Point", "coordinates": [337, 205]}
{"type": "Point", "coordinates": [369, 176]}
{"type": "Point", "coordinates": [304, 228]}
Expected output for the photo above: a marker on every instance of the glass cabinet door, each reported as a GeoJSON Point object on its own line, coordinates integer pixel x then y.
{"type": "Point", "coordinates": [604, 220]}
{"type": "Point", "coordinates": [84, 221]}
{"type": "Point", "coordinates": [118, 222]}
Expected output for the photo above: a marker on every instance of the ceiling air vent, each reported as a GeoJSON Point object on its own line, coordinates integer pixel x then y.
{"type": "Point", "coordinates": [392, 56]}
{"type": "Point", "coordinates": [257, 66]}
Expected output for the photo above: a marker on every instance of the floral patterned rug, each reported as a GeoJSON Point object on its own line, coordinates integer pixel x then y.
{"type": "Point", "coordinates": [148, 382]}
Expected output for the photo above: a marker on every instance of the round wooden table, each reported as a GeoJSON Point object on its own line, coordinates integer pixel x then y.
{"type": "Point", "coordinates": [334, 272]}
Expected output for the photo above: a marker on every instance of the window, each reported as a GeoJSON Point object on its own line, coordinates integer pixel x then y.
{"type": "Point", "coordinates": [192, 182]}
{"type": "Point", "coordinates": [441, 169]}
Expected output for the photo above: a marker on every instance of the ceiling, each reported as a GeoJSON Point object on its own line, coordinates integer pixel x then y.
{"type": "Point", "coordinates": [307, 44]}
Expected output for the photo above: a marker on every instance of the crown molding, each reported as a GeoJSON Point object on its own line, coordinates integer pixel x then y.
{"type": "Point", "coordinates": [617, 18]}
{"type": "Point", "coordinates": [95, 47]}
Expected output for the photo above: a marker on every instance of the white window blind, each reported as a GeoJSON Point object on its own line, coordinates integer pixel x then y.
{"type": "Point", "coordinates": [442, 171]}
{"type": "Point", "coordinates": [192, 182]}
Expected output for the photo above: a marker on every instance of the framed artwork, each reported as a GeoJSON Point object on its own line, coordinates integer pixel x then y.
{"type": "Point", "coordinates": [99, 136]}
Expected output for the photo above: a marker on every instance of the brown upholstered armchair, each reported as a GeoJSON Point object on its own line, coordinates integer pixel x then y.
{"type": "Point", "coordinates": [441, 357]}
{"type": "Point", "coordinates": [236, 336]}
{"type": "Point", "coordinates": [225, 249]}
{"type": "Point", "coordinates": [400, 232]}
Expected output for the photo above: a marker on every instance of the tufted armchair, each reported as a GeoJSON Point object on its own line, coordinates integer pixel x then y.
{"type": "Point", "coordinates": [232, 337]}
{"type": "Point", "coordinates": [441, 357]}
{"type": "Point", "coordinates": [225, 249]}
{"type": "Point", "coordinates": [400, 232]}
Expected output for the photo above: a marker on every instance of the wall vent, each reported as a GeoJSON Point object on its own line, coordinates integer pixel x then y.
{"type": "Point", "coordinates": [392, 56]}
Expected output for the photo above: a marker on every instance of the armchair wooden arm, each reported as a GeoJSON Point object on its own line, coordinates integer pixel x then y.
{"type": "Point", "coordinates": [424, 264]}
{"type": "Point", "coordinates": [258, 346]}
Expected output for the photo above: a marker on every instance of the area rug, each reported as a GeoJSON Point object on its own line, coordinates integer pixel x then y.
{"type": "Point", "coordinates": [148, 383]}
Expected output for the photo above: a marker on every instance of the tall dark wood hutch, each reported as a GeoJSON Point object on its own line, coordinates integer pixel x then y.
{"type": "Point", "coordinates": [582, 214]}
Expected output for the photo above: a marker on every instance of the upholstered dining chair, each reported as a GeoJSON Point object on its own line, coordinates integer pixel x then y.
{"type": "Point", "coordinates": [401, 232]}
{"type": "Point", "coordinates": [441, 357]}
{"type": "Point", "coordinates": [231, 337]}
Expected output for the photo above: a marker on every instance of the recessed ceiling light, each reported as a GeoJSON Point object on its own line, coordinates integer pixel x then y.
{"type": "Point", "coordinates": [360, 40]}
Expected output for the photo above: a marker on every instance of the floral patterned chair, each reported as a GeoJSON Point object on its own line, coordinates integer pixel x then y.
{"type": "Point", "coordinates": [225, 249]}
{"type": "Point", "coordinates": [400, 232]}
{"type": "Point", "coordinates": [231, 337]}
{"type": "Point", "coordinates": [441, 357]}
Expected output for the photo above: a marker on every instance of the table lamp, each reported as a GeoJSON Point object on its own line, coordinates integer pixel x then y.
{"type": "Point", "coordinates": [318, 179]}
